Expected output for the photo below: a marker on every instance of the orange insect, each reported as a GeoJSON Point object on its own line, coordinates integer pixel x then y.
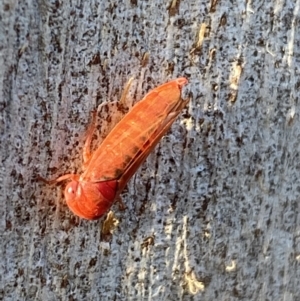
{"type": "Point", "coordinates": [125, 148]}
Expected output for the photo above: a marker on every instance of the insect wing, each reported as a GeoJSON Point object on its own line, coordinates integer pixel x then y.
{"type": "Point", "coordinates": [133, 138]}
{"type": "Point", "coordinates": [147, 148]}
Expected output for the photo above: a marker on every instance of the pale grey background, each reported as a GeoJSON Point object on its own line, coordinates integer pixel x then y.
{"type": "Point", "coordinates": [219, 195]}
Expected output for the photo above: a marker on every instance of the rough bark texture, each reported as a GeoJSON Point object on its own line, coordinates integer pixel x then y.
{"type": "Point", "coordinates": [213, 214]}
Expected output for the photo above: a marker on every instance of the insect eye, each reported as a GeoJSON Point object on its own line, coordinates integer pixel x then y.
{"type": "Point", "coordinates": [71, 190]}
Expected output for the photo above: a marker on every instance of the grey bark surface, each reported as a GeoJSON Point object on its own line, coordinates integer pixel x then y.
{"type": "Point", "coordinates": [213, 214]}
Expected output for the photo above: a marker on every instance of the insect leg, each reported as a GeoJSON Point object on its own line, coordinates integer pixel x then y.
{"type": "Point", "coordinates": [87, 145]}
{"type": "Point", "coordinates": [68, 176]}
{"type": "Point", "coordinates": [122, 206]}
{"type": "Point", "coordinates": [125, 92]}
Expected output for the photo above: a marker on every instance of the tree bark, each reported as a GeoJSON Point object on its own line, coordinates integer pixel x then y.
{"type": "Point", "coordinates": [213, 214]}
